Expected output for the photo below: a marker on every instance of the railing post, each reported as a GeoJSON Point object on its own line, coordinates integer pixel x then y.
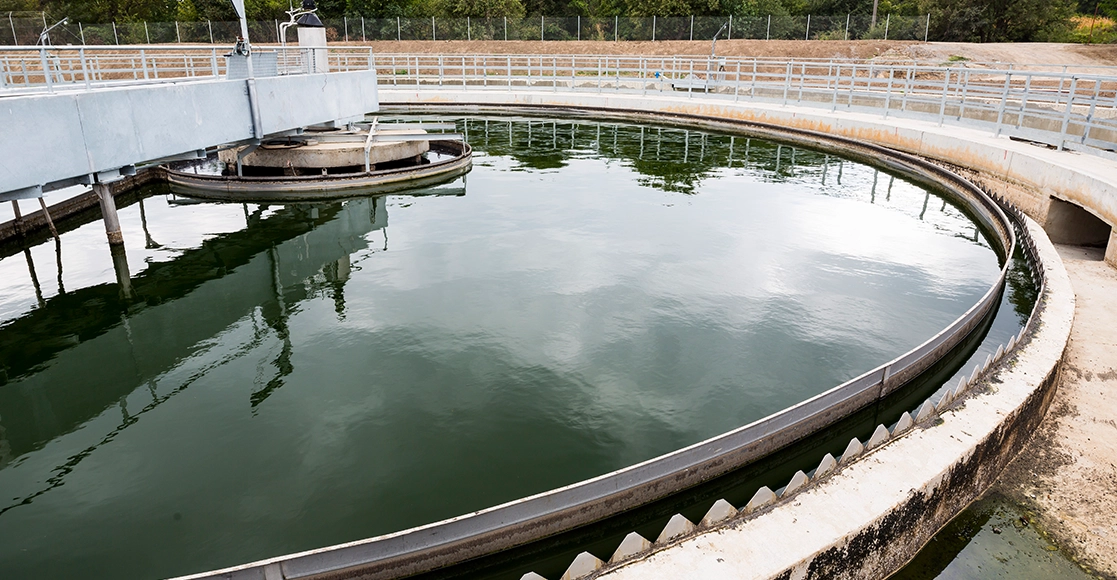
{"type": "Point", "coordinates": [84, 67]}
{"type": "Point", "coordinates": [46, 69]}
{"type": "Point", "coordinates": [1066, 114]}
{"type": "Point", "coordinates": [965, 90]}
{"type": "Point", "coordinates": [1024, 101]}
{"type": "Point", "coordinates": [737, 83]}
{"type": "Point", "coordinates": [942, 104]}
{"type": "Point", "coordinates": [1004, 102]}
{"type": "Point", "coordinates": [1093, 108]}
{"type": "Point", "coordinates": [888, 92]}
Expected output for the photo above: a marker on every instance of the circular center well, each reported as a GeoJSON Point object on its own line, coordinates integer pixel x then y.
{"type": "Point", "coordinates": [590, 296]}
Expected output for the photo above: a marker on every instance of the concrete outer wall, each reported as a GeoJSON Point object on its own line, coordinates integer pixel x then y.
{"type": "Point", "coordinates": [1085, 180]}
{"type": "Point", "coordinates": [871, 517]}
{"type": "Point", "coordinates": [48, 138]}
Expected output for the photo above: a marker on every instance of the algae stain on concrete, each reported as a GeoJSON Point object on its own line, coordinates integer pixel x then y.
{"type": "Point", "coordinates": [992, 539]}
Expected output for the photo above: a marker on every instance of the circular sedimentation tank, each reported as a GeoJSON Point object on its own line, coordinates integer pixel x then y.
{"type": "Point", "coordinates": [596, 294]}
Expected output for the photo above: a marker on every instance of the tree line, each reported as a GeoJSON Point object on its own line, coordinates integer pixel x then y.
{"type": "Point", "coordinates": [952, 20]}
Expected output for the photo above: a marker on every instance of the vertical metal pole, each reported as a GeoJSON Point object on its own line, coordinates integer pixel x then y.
{"type": "Point", "coordinates": [541, 17]}
{"type": "Point", "coordinates": [82, 32]}
{"type": "Point", "coordinates": [46, 70]}
{"type": "Point", "coordinates": [729, 33]}
{"type": "Point", "coordinates": [46, 214]}
{"type": "Point", "coordinates": [15, 209]}
{"type": "Point", "coordinates": [692, 27]}
{"type": "Point", "coordinates": [468, 29]}
{"type": "Point", "coordinates": [505, 28]}
{"type": "Point", "coordinates": [942, 104]}
{"type": "Point", "coordinates": [178, 35]}
{"type": "Point", "coordinates": [209, 24]}
{"type": "Point", "coordinates": [434, 35]}
{"type": "Point", "coordinates": [1093, 108]}
{"type": "Point", "coordinates": [1004, 101]}
{"type": "Point", "coordinates": [927, 28]}
{"type": "Point", "coordinates": [84, 67]}
{"type": "Point", "coordinates": [363, 39]}
{"type": "Point", "coordinates": [847, 27]}
{"type": "Point", "coordinates": [1066, 114]}
{"type": "Point", "coordinates": [653, 28]}
{"type": "Point", "coordinates": [345, 24]}
{"type": "Point", "coordinates": [116, 37]}
{"type": "Point", "coordinates": [146, 33]}
{"type": "Point", "coordinates": [768, 32]}
{"type": "Point", "coordinates": [108, 212]}
{"type": "Point", "coordinates": [579, 27]}
{"type": "Point", "coordinates": [887, 19]}
{"type": "Point", "coordinates": [808, 36]}
{"type": "Point", "coordinates": [399, 34]}
{"type": "Point", "coordinates": [616, 28]}
{"type": "Point", "coordinates": [15, 39]}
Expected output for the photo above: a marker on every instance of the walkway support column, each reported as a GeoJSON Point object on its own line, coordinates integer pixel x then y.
{"type": "Point", "coordinates": [108, 212]}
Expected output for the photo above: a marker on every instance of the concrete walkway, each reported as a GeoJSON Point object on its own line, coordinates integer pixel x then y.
{"type": "Point", "coordinates": [1068, 471]}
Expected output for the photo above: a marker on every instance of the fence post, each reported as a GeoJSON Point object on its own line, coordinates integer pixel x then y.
{"type": "Point", "coordinates": [468, 29]}
{"type": "Point", "coordinates": [616, 28]}
{"type": "Point", "coordinates": [653, 28]}
{"type": "Point", "coordinates": [116, 37]}
{"type": "Point", "coordinates": [399, 34]}
{"type": "Point", "coordinates": [692, 27]}
{"type": "Point", "coordinates": [209, 24]}
{"type": "Point", "coordinates": [847, 26]}
{"type": "Point", "coordinates": [363, 39]}
{"type": "Point", "coordinates": [541, 17]}
{"type": "Point", "coordinates": [345, 24]}
{"type": "Point", "coordinates": [927, 29]}
{"type": "Point", "coordinates": [808, 36]}
{"type": "Point", "coordinates": [768, 32]}
{"type": "Point", "coordinates": [82, 32]}
{"type": "Point", "coordinates": [434, 34]}
{"type": "Point", "coordinates": [887, 19]}
{"type": "Point", "coordinates": [579, 27]}
{"type": "Point", "coordinates": [146, 34]}
{"type": "Point", "coordinates": [729, 35]}
{"type": "Point", "coordinates": [15, 39]}
{"type": "Point", "coordinates": [506, 31]}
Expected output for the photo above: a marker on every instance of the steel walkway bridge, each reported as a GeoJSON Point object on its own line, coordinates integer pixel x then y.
{"type": "Point", "coordinates": [94, 114]}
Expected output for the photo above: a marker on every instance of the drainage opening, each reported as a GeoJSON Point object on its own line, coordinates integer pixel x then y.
{"type": "Point", "coordinates": [1070, 223]}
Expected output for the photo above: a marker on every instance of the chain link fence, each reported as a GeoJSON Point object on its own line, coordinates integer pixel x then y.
{"type": "Point", "coordinates": [26, 31]}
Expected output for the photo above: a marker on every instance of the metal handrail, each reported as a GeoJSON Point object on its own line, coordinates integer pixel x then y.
{"type": "Point", "coordinates": [521, 521]}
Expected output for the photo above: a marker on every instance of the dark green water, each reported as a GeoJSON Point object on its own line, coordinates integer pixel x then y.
{"type": "Point", "coordinates": [284, 378]}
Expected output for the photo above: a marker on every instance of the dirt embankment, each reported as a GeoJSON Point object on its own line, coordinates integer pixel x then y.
{"type": "Point", "coordinates": [932, 52]}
